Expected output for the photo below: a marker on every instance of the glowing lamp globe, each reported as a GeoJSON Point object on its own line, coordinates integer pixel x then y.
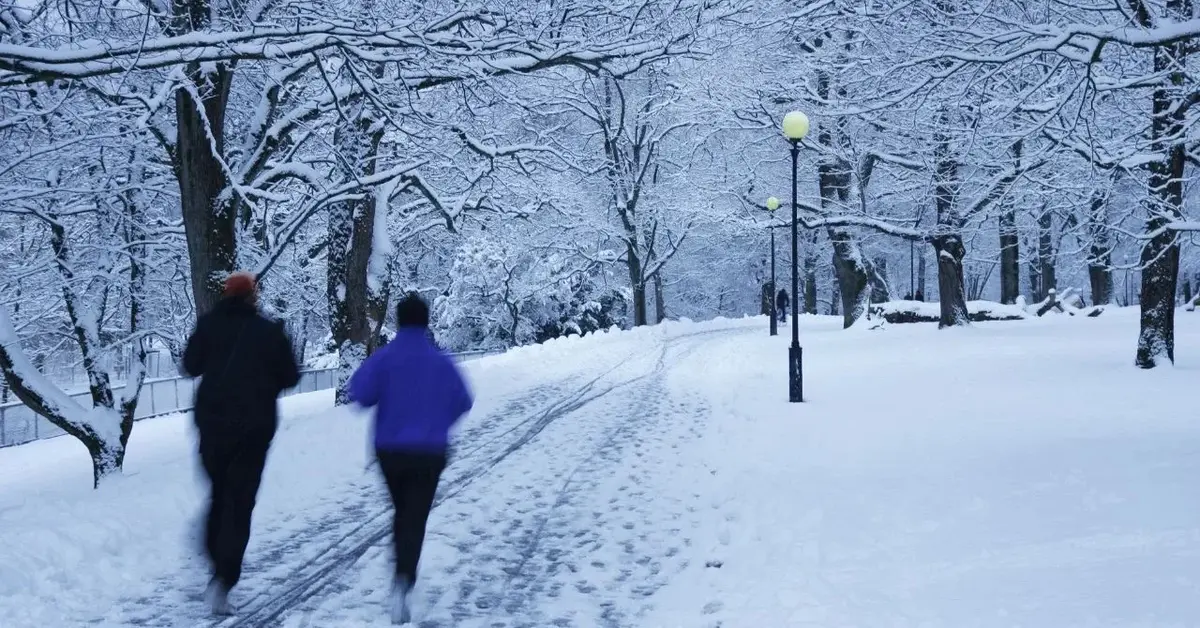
{"type": "Point", "coordinates": [795, 126]}
{"type": "Point", "coordinates": [772, 203]}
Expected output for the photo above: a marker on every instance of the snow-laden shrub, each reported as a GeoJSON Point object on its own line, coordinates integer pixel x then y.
{"type": "Point", "coordinates": [504, 296]}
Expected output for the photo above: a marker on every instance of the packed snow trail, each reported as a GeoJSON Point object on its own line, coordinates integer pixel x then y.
{"type": "Point", "coordinates": [551, 526]}
{"type": "Point", "coordinates": [482, 450]}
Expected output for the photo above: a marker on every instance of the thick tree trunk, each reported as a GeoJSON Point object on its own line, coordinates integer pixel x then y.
{"type": "Point", "coordinates": [948, 243]}
{"type": "Point", "coordinates": [637, 285]}
{"type": "Point", "coordinates": [951, 286]}
{"type": "Point", "coordinates": [640, 309]}
{"type": "Point", "coordinates": [351, 241]}
{"type": "Point", "coordinates": [107, 459]}
{"type": "Point", "coordinates": [835, 297]}
{"type": "Point", "coordinates": [1101, 279]}
{"type": "Point", "coordinates": [852, 277]}
{"type": "Point", "coordinates": [1160, 265]}
{"type": "Point", "coordinates": [1160, 254]}
{"type": "Point", "coordinates": [834, 179]}
{"type": "Point", "coordinates": [1010, 256]}
{"type": "Point", "coordinates": [208, 214]}
{"type": "Point", "coordinates": [350, 237]}
{"type": "Point", "coordinates": [1047, 279]}
{"type": "Point", "coordinates": [849, 264]}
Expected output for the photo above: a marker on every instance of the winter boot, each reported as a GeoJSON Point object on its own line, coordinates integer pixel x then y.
{"type": "Point", "coordinates": [217, 598]}
{"type": "Point", "coordinates": [398, 603]}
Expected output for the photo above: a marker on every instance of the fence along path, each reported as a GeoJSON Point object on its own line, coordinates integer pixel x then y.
{"type": "Point", "coordinates": [167, 395]}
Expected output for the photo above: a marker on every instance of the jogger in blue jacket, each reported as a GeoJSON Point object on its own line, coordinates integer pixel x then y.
{"type": "Point", "coordinates": [418, 394]}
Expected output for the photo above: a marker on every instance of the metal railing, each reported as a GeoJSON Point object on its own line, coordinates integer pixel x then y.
{"type": "Point", "coordinates": [168, 395]}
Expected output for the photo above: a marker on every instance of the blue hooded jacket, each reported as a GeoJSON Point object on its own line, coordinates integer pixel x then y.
{"type": "Point", "coordinates": [417, 391]}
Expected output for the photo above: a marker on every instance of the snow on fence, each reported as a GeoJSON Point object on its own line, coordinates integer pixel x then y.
{"type": "Point", "coordinates": [19, 424]}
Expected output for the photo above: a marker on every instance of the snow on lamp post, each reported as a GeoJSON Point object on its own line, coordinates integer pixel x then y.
{"type": "Point", "coordinates": [772, 205]}
{"type": "Point", "coordinates": [795, 127]}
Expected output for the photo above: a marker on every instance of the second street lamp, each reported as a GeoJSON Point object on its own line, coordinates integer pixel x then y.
{"type": "Point", "coordinates": [772, 205]}
{"type": "Point", "coordinates": [795, 127]}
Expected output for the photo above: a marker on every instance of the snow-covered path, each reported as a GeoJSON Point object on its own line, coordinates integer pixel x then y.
{"type": "Point", "coordinates": [575, 527]}
{"type": "Point", "coordinates": [1009, 474]}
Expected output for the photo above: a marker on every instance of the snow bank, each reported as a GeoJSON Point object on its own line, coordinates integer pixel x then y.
{"type": "Point", "coordinates": [925, 312]}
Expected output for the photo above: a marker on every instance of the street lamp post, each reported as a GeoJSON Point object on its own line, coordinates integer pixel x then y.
{"type": "Point", "coordinates": [795, 127]}
{"type": "Point", "coordinates": [772, 205]}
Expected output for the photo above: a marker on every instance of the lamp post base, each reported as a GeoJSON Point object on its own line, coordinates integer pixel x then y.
{"type": "Point", "coordinates": [796, 373]}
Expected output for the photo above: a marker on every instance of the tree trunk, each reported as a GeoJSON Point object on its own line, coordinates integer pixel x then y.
{"type": "Point", "coordinates": [920, 278]}
{"type": "Point", "coordinates": [1101, 279]}
{"type": "Point", "coordinates": [1160, 254]}
{"type": "Point", "coordinates": [848, 261]}
{"type": "Point", "coordinates": [350, 236]}
{"type": "Point", "coordinates": [108, 459]}
{"type": "Point", "coordinates": [948, 243]}
{"type": "Point", "coordinates": [1160, 264]}
{"type": "Point", "coordinates": [1100, 253]}
{"type": "Point", "coordinates": [881, 290]}
{"type": "Point", "coordinates": [835, 297]}
{"type": "Point", "coordinates": [951, 287]}
{"type": "Point", "coordinates": [810, 273]}
{"type": "Point", "coordinates": [834, 179]}
{"type": "Point", "coordinates": [351, 240]}
{"type": "Point", "coordinates": [208, 215]}
{"type": "Point", "coordinates": [767, 299]}
{"type": "Point", "coordinates": [1035, 281]}
{"type": "Point", "coordinates": [660, 303]}
{"type": "Point", "coordinates": [637, 284]}
{"type": "Point", "coordinates": [1010, 256]}
{"type": "Point", "coordinates": [136, 378]}
{"type": "Point", "coordinates": [852, 278]}
{"type": "Point", "coordinates": [1046, 255]}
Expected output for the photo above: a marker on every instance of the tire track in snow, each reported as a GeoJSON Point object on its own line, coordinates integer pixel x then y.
{"type": "Point", "coordinates": [338, 557]}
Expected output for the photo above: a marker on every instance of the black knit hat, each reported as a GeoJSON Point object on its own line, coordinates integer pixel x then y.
{"type": "Point", "coordinates": [412, 311]}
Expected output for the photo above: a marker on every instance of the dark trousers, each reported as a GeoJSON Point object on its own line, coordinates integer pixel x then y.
{"type": "Point", "coordinates": [783, 314]}
{"type": "Point", "coordinates": [412, 480]}
{"type": "Point", "coordinates": [235, 469]}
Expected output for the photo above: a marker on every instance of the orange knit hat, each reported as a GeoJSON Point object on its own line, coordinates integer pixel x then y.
{"type": "Point", "coordinates": [240, 284]}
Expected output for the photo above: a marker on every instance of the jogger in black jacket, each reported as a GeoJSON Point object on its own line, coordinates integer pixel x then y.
{"type": "Point", "coordinates": [245, 362]}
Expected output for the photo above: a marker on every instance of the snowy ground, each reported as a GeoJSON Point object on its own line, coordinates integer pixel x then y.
{"type": "Point", "coordinates": [1011, 474]}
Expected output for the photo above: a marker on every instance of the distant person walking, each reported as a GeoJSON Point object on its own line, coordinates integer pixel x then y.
{"type": "Point", "coordinates": [418, 394]}
{"type": "Point", "coordinates": [244, 361]}
{"type": "Point", "coordinates": [781, 303]}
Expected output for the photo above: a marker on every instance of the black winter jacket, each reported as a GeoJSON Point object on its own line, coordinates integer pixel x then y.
{"type": "Point", "coordinates": [244, 361]}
